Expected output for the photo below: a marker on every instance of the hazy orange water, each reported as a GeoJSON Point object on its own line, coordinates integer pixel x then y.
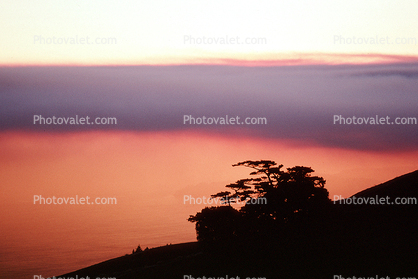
{"type": "Point", "coordinates": [148, 174]}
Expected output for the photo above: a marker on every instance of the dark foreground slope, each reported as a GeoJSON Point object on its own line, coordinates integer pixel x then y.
{"type": "Point", "coordinates": [349, 240]}
{"type": "Point", "coordinates": [402, 186]}
{"type": "Point", "coordinates": [158, 262]}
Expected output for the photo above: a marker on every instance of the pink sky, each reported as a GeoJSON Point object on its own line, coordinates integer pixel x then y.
{"type": "Point", "coordinates": [164, 166]}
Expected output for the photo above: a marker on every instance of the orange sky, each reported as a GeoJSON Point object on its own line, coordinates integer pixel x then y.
{"type": "Point", "coordinates": [162, 167]}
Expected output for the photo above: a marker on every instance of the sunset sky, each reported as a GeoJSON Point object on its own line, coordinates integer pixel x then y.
{"type": "Point", "coordinates": [298, 64]}
{"type": "Point", "coordinates": [161, 32]}
{"type": "Point", "coordinates": [299, 104]}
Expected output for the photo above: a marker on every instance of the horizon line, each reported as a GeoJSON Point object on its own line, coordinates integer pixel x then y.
{"type": "Point", "coordinates": [295, 59]}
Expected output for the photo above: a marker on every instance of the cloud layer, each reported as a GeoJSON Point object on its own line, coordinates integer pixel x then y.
{"type": "Point", "coordinates": [299, 102]}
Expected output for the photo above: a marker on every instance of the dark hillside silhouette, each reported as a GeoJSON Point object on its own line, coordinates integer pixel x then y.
{"type": "Point", "coordinates": [299, 233]}
{"type": "Point", "coordinates": [402, 186]}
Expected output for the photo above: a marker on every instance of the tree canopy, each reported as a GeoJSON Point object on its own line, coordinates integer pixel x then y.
{"type": "Point", "coordinates": [274, 198]}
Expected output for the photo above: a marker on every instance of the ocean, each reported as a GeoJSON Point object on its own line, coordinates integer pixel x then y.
{"type": "Point", "coordinates": [47, 241]}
